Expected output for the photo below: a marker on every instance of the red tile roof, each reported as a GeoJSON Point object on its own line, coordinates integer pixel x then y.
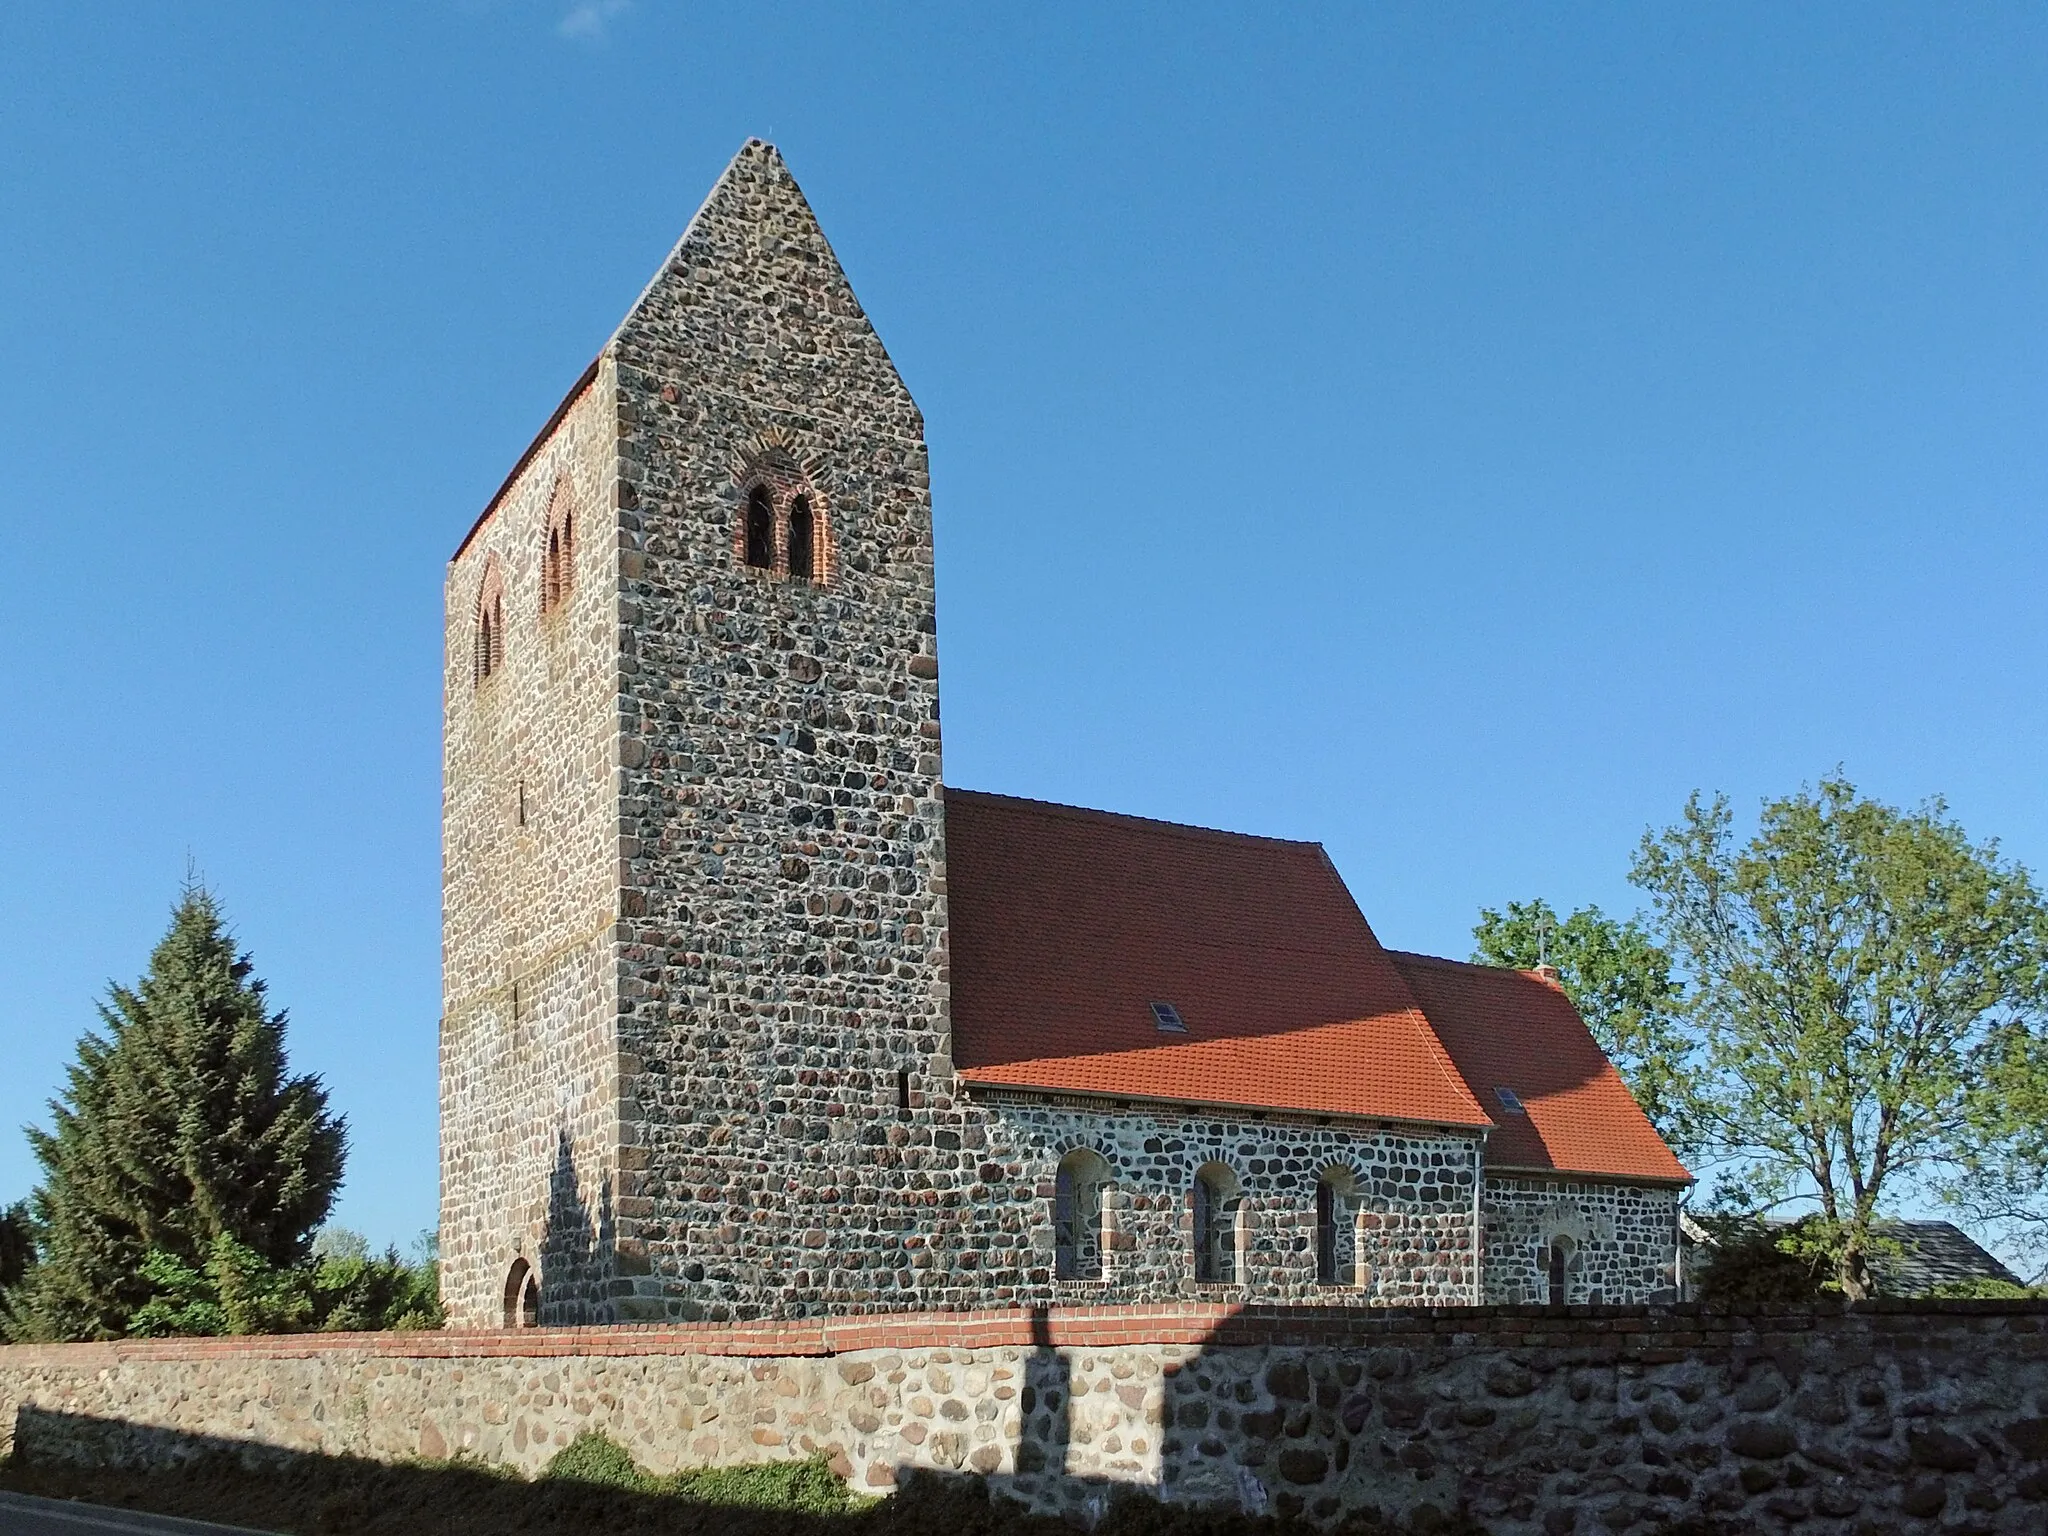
{"type": "Point", "coordinates": [1066, 925]}
{"type": "Point", "coordinates": [1517, 1030]}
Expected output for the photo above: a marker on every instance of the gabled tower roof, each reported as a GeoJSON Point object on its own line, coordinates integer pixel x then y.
{"type": "Point", "coordinates": [754, 220]}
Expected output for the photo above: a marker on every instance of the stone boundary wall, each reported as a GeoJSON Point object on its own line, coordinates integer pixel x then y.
{"type": "Point", "coordinates": [1889, 1417]}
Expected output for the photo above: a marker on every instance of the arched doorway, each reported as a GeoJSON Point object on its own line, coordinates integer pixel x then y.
{"type": "Point", "coordinates": [522, 1296]}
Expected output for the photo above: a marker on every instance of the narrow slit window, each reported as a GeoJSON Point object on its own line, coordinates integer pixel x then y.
{"type": "Point", "coordinates": [903, 1093]}
{"type": "Point", "coordinates": [1559, 1287]}
{"type": "Point", "coordinates": [1220, 1226]}
{"type": "Point", "coordinates": [760, 530]}
{"type": "Point", "coordinates": [802, 538]}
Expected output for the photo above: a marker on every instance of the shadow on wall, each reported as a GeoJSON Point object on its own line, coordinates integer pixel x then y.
{"type": "Point", "coordinates": [577, 1248]}
{"type": "Point", "coordinates": [113, 1462]}
{"type": "Point", "coordinates": [238, 1483]}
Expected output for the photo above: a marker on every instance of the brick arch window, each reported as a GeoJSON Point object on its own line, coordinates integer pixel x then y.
{"type": "Point", "coordinates": [1221, 1225]}
{"type": "Point", "coordinates": [558, 557]}
{"type": "Point", "coordinates": [803, 539]}
{"type": "Point", "coordinates": [488, 653]}
{"type": "Point", "coordinates": [784, 524]}
{"type": "Point", "coordinates": [1077, 1211]}
{"type": "Point", "coordinates": [522, 1296]}
{"type": "Point", "coordinates": [760, 529]}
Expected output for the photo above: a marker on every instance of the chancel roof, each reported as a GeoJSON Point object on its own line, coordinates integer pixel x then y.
{"type": "Point", "coordinates": [1516, 1030]}
{"type": "Point", "coordinates": [1067, 928]}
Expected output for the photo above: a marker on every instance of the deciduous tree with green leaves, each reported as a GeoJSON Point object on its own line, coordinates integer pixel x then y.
{"type": "Point", "coordinates": [1619, 980]}
{"type": "Point", "coordinates": [179, 1127]}
{"type": "Point", "coordinates": [1864, 989]}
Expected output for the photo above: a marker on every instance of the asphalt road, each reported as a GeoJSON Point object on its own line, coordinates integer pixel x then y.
{"type": "Point", "coordinates": [22, 1515]}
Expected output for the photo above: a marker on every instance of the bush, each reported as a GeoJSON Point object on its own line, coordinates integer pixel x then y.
{"type": "Point", "coordinates": [343, 1288]}
{"type": "Point", "coordinates": [1754, 1263]}
{"type": "Point", "coordinates": [593, 1457]}
{"type": "Point", "coordinates": [1984, 1288]}
{"type": "Point", "coordinates": [805, 1487]}
{"type": "Point", "coordinates": [810, 1487]}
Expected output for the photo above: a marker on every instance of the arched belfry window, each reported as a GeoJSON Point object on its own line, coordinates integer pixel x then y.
{"type": "Point", "coordinates": [558, 559]}
{"type": "Point", "coordinates": [760, 529]}
{"type": "Point", "coordinates": [488, 657]}
{"type": "Point", "coordinates": [802, 539]}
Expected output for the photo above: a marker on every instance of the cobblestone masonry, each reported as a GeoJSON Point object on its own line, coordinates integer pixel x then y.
{"type": "Point", "coordinates": [783, 970]}
{"type": "Point", "coordinates": [529, 1082]}
{"type": "Point", "coordinates": [1405, 1212]}
{"type": "Point", "coordinates": [1623, 1237]}
{"type": "Point", "coordinates": [1887, 1419]}
{"type": "Point", "coordinates": [695, 1051]}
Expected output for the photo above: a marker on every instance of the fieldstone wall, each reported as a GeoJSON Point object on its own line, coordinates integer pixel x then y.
{"type": "Point", "coordinates": [1885, 1419]}
{"type": "Point", "coordinates": [1404, 1223]}
{"type": "Point", "coordinates": [529, 1060]}
{"type": "Point", "coordinates": [1623, 1237]}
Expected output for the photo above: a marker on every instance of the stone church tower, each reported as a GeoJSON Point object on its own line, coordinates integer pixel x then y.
{"type": "Point", "coordinates": [693, 1053]}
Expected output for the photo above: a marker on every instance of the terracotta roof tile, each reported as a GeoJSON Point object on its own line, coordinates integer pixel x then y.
{"type": "Point", "coordinates": [1517, 1030]}
{"type": "Point", "coordinates": [1067, 925]}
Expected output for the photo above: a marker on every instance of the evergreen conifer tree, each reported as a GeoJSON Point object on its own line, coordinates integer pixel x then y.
{"type": "Point", "coordinates": [17, 1246]}
{"type": "Point", "coordinates": [178, 1127]}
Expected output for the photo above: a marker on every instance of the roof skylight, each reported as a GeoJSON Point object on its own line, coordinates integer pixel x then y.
{"type": "Point", "coordinates": [1509, 1101]}
{"type": "Point", "coordinates": [1168, 1018]}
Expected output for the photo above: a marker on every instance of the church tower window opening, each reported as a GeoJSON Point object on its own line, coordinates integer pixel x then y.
{"type": "Point", "coordinates": [802, 539]}
{"type": "Point", "coordinates": [760, 529]}
{"type": "Point", "coordinates": [489, 657]}
{"type": "Point", "coordinates": [558, 559]}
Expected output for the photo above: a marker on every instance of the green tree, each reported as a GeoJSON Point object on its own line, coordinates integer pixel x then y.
{"type": "Point", "coordinates": [1618, 979]}
{"type": "Point", "coordinates": [178, 1126]}
{"type": "Point", "coordinates": [1863, 986]}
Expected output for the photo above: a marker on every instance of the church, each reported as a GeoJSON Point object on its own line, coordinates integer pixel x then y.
{"type": "Point", "coordinates": [747, 1014]}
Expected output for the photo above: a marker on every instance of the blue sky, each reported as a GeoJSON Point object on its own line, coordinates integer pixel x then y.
{"type": "Point", "coordinates": [1452, 433]}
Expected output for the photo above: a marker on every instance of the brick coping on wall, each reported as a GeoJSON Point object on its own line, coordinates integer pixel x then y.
{"type": "Point", "coordinates": [1635, 1330]}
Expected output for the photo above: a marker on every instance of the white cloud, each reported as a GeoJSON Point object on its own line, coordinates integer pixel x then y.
{"type": "Point", "coordinates": [588, 20]}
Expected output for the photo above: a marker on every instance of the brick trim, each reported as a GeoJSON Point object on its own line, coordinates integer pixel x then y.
{"type": "Point", "coordinates": [1628, 1330]}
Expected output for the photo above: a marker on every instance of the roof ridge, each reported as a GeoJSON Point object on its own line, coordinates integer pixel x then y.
{"type": "Point", "coordinates": [1466, 965]}
{"type": "Point", "coordinates": [1090, 813]}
